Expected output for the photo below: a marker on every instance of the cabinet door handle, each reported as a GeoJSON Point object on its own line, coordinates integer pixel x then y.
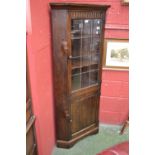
{"type": "Point", "coordinates": [64, 46]}
{"type": "Point", "coordinates": [67, 115]}
{"type": "Point", "coordinates": [70, 57]}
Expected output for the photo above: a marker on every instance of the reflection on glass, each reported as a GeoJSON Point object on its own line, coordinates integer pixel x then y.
{"type": "Point", "coordinates": [86, 60]}
{"type": "Point", "coordinates": [85, 43]}
{"type": "Point", "coordinates": [85, 69]}
{"type": "Point", "coordinates": [86, 28]}
{"type": "Point", "coordinates": [76, 44]}
{"type": "Point", "coordinates": [93, 77]}
{"type": "Point", "coordinates": [86, 46]}
{"type": "Point", "coordinates": [95, 45]}
{"type": "Point", "coordinates": [94, 67]}
{"type": "Point", "coordinates": [76, 28]}
{"type": "Point", "coordinates": [97, 26]}
{"type": "Point", "coordinates": [75, 71]}
{"type": "Point", "coordinates": [85, 79]}
{"type": "Point", "coordinates": [76, 63]}
{"type": "Point", "coordinates": [76, 83]}
{"type": "Point", "coordinates": [95, 59]}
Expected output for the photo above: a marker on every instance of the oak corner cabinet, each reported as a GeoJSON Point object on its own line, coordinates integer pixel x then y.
{"type": "Point", "coordinates": [77, 39]}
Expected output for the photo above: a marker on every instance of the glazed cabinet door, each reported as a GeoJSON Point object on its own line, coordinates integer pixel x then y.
{"type": "Point", "coordinates": [85, 50]}
{"type": "Point", "coordinates": [84, 68]}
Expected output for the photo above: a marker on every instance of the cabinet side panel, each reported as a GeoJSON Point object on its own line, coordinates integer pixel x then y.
{"type": "Point", "coordinates": [59, 34]}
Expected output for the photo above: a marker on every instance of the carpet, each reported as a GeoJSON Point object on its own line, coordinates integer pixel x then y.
{"type": "Point", "coordinates": [108, 136]}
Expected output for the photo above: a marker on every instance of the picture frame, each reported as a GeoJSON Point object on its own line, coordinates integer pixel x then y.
{"type": "Point", "coordinates": [116, 54]}
{"type": "Point", "coordinates": [125, 2]}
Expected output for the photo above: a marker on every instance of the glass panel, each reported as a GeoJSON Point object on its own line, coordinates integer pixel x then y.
{"type": "Point", "coordinates": [86, 27]}
{"type": "Point", "coordinates": [86, 61]}
{"type": "Point", "coordinates": [97, 27]}
{"type": "Point", "coordinates": [94, 77]}
{"type": "Point", "coordinates": [76, 79]}
{"type": "Point", "coordinates": [95, 59]}
{"type": "Point", "coordinates": [94, 66]}
{"type": "Point", "coordinates": [85, 69]}
{"type": "Point", "coordinates": [85, 41]}
{"type": "Point", "coordinates": [76, 63]}
{"type": "Point", "coordinates": [76, 82]}
{"type": "Point", "coordinates": [86, 47]}
{"type": "Point", "coordinates": [77, 26]}
{"type": "Point", "coordinates": [76, 71]}
{"type": "Point", "coordinates": [76, 45]}
{"type": "Point", "coordinates": [95, 46]}
{"type": "Point", "coordinates": [85, 79]}
{"type": "Point", "coordinates": [85, 76]}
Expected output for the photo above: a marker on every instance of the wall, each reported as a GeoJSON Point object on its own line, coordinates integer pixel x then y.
{"type": "Point", "coordinates": [40, 68]}
{"type": "Point", "coordinates": [114, 100]}
{"type": "Point", "coordinates": [114, 95]}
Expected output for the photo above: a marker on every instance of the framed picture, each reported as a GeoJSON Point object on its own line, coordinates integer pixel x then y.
{"type": "Point", "coordinates": [116, 54]}
{"type": "Point", "coordinates": [126, 2]}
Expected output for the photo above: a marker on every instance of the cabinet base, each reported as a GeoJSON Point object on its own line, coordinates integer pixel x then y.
{"type": "Point", "coordinates": [70, 143]}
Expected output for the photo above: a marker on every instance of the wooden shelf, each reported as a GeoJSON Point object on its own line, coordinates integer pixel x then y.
{"type": "Point", "coordinates": [85, 64]}
{"type": "Point", "coordinates": [89, 71]}
{"type": "Point", "coordinates": [85, 36]}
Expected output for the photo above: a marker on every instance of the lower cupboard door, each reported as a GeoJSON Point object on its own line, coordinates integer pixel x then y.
{"type": "Point", "coordinates": [84, 113]}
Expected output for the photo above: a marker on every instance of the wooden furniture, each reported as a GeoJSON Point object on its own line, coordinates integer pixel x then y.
{"type": "Point", "coordinates": [31, 146]}
{"type": "Point", "coordinates": [77, 34]}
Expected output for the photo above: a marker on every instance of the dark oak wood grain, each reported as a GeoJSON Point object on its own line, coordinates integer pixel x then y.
{"type": "Point", "coordinates": [77, 37]}
{"type": "Point", "coordinates": [78, 5]}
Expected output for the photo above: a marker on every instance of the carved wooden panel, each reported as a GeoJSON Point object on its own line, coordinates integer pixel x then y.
{"type": "Point", "coordinates": [86, 14]}
{"type": "Point", "coordinates": [83, 113]}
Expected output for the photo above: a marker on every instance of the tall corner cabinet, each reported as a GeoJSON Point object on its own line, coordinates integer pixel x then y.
{"type": "Point", "coordinates": [77, 40]}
